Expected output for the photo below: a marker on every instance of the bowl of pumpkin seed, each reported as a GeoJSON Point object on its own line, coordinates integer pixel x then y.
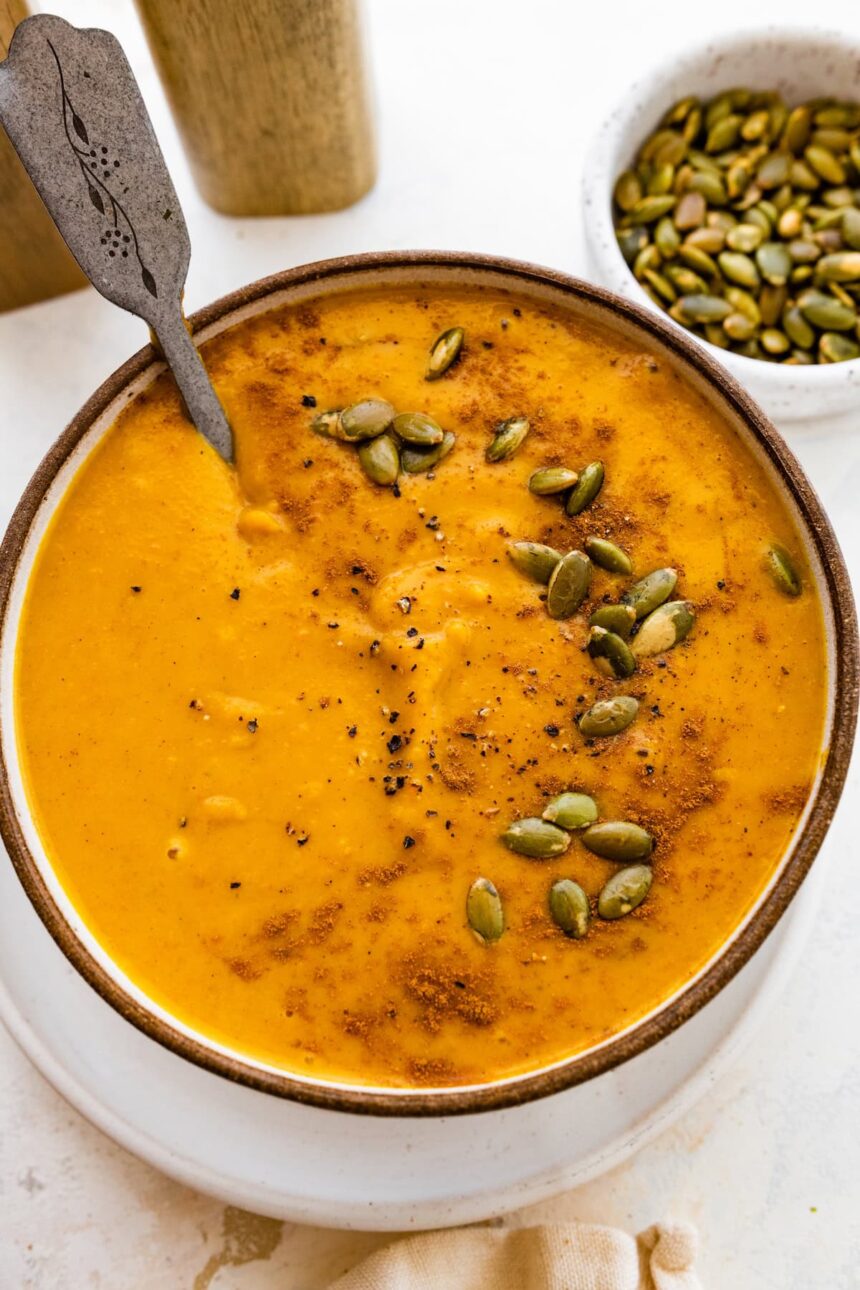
{"type": "Point", "coordinates": [725, 193]}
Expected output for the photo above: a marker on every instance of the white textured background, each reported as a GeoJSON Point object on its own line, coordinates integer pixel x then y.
{"type": "Point", "coordinates": [486, 108]}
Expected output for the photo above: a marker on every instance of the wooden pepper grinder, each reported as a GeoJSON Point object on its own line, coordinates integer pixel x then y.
{"type": "Point", "coordinates": [271, 98]}
{"type": "Point", "coordinates": [34, 260]}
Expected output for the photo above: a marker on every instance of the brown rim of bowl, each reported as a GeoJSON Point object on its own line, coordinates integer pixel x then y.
{"type": "Point", "coordinates": [584, 1066]}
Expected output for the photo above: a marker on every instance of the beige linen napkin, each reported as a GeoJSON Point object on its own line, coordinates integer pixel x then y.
{"type": "Point", "coordinates": [569, 1256]}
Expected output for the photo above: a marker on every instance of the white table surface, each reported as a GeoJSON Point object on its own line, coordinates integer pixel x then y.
{"type": "Point", "coordinates": [485, 112]}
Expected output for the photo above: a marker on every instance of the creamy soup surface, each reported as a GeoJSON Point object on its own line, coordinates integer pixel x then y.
{"type": "Point", "coordinates": [273, 720]}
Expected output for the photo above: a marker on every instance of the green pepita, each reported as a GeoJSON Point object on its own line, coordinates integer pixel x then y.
{"type": "Point", "coordinates": [615, 618]}
{"type": "Point", "coordinates": [664, 628]}
{"type": "Point", "coordinates": [608, 717]}
{"type": "Point", "coordinates": [418, 428]}
{"type": "Point", "coordinates": [589, 485]}
{"type": "Point", "coordinates": [416, 460]}
{"type": "Point", "coordinates": [774, 262]}
{"type": "Point", "coordinates": [444, 353]}
{"type": "Point", "coordinates": [484, 911]}
{"type": "Point", "coordinates": [612, 651]}
{"type": "Point", "coordinates": [608, 556]}
{"type": "Point", "coordinates": [571, 811]}
{"type": "Point", "coordinates": [618, 840]}
{"type": "Point", "coordinates": [568, 585]}
{"type": "Point", "coordinates": [380, 459]}
{"type": "Point", "coordinates": [649, 592]}
{"type": "Point", "coordinates": [782, 569]}
{"type": "Point", "coordinates": [551, 479]}
{"type": "Point", "coordinates": [365, 420]}
{"type": "Point", "coordinates": [507, 439]}
{"type": "Point", "coordinates": [535, 838]}
{"type": "Point", "coordinates": [570, 908]}
{"type": "Point", "coordinates": [836, 348]}
{"type": "Point", "coordinates": [534, 560]}
{"type": "Point", "coordinates": [701, 309]}
{"type": "Point", "coordinates": [825, 312]}
{"type": "Point", "coordinates": [327, 424]}
{"type": "Point", "coordinates": [624, 891]}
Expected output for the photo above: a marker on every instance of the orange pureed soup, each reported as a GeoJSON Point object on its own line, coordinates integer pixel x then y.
{"type": "Point", "coordinates": [275, 720]}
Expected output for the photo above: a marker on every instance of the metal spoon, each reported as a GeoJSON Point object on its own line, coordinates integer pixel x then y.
{"type": "Point", "coordinates": [74, 113]}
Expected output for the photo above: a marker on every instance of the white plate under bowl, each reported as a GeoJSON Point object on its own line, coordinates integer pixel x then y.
{"type": "Point", "coordinates": [306, 1165]}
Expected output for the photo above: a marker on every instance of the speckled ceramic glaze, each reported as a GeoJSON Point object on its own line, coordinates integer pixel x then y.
{"type": "Point", "coordinates": [800, 64]}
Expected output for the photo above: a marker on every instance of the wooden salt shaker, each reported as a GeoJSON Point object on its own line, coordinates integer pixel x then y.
{"type": "Point", "coordinates": [34, 260]}
{"type": "Point", "coordinates": [271, 98]}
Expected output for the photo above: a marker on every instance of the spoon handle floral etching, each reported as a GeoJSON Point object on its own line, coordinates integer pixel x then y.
{"type": "Point", "coordinates": [73, 111]}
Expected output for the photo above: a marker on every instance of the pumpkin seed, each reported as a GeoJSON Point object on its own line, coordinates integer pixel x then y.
{"type": "Point", "coordinates": [624, 891]}
{"type": "Point", "coordinates": [698, 259]}
{"type": "Point", "coordinates": [608, 556]}
{"type": "Point", "coordinates": [782, 569]}
{"type": "Point", "coordinates": [850, 226]}
{"type": "Point", "coordinates": [569, 907]}
{"type": "Point", "coordinates": [771, 302]}
{"type": "Point", "coordinates": [380, 459]}
{"type": "Point", "coordinates": [826, 312]}
{"type": "Point", "coordinates": [790, 240]}
{"type": "Point", "coordinates": [803, 251]}
{"type": "Point", "coordinates": [664, 628]}
{"type": "Point", "coordinates": [662, 179]}
{"type": "Point", "coordinates": [507, 439]}
{"type": "Point", "coordinates": [710, 186]}
{"type": "Point", "coordinates": [615, 618]}
{"type": "Point", "coordinates": [842, 267]}
{"type": "Point", "coordinates": [690, 210]}
{"type": "Point", "coordinates": [535, 838]}
{"type": "Point", "coordinates": [534, 559]}
{"type": "Point", "coordinates": [571, 811]}
{"type": "Point", "coordinates": [687, 282]}
{"type": "Point", "coordinates": [649, 592]}
{"type": "Point", "coordinates": [568, 585]}
{"type": "Point", "coordinates": [774, 263]}
{"type": "Point", "coordinates": [415, 460]}
{"type": "Point", "coordinates": [798, 128]}
{"type": "Point", "coordinates": [444, 353]}
{"type": "Point", "coordinates": [327, 424]}
{"type": "Point", "coordinates": [835, 348]}
{"type": "Point", "coordinates": [797, 328]}
{"type": "Point", "coordinates": [365, 420]}
{"type": "Point", "coordinates": [618, 840]}
{"type": "Point", "coordinates": [608, 717]}
{"type": "Point", "coordinates": [589, 485]}
{"type": "Point", "coordinates": [745, 237]}
{"type": "Point", "coordinates": [679, 111]}
{"type": "Point", "coordinates": [551, 479]}
{"type": "Point", "coordinates": [631, 241]}
{"type": "Point", "coordinates": [709, 240]}
{"type": "Point", "coordinates": [667, 239]}
{"type": "Point", "coordinates": [739, 327]}
{"type": "Point", "coordinates": [628, 190]}
{"type": "Point", "coordinates": [484, 911]}
{"type": "Point", "coordinates": [738, 268]}
{"type": "Point", "coordinates": [790, 223]}
{"type": "Point", "coordinates": [701, 309]}
{"type": "Point", "coordinates": [774, 341]}
{"type": "Point", "coordinates": [825, 164]}
{"type": "Point", "coordinates": [774, 170]}
{"type": "Point", "coordinates": [613, 650]}
{"type": "Point", "coordinates": [649, 209]}
{"type": "Point", "coordinates": [418, 428]}
{"type": "Point", "coordinates": [723, 133]}
{"type": "Point", "coordinates": [743, 303]}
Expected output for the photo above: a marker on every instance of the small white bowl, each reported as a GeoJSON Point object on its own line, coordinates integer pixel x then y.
{"type": "Point", "coordinates": [801, 64]}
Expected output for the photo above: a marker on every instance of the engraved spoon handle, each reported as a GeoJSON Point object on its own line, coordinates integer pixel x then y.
{"type": "Point", "coordinates": [73, 110]}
